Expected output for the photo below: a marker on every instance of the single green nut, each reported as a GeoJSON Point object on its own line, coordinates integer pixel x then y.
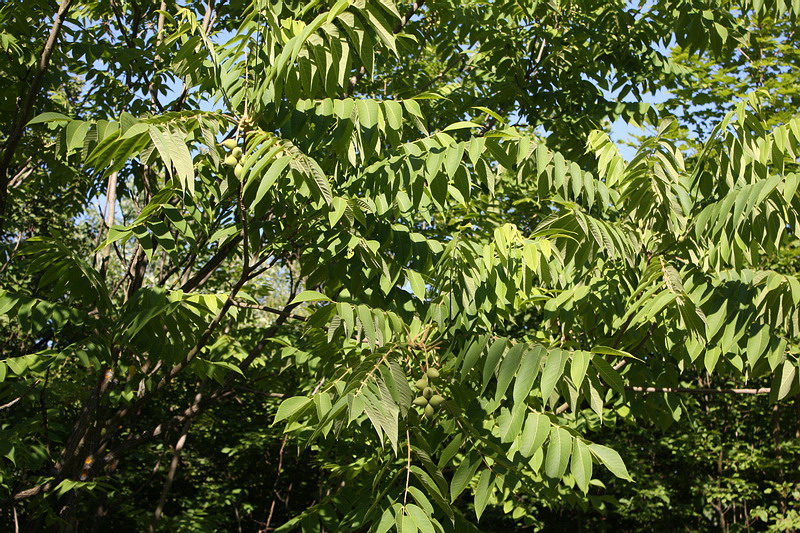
{"type": "Point", "coordinates": [238, 170]}
{"type": "Point", "coordinates": [436, 400]}
{"type": "Point", "coordinates": [237, 153]}
{"type": "Point", "coordinates": [422, 383]}
{"type": "Point", "coordinates": [230, 144]}
{"type": "Point", "coordinates": [432, 373]}
{"type": "Point", "coordinates": [421, 401]}
{"type": "Point", "coordinates": [231, 161]}
{"type": "Point", "coordinates": [429, 411]}
{"type": "Point", "coordinates": [427, 392]}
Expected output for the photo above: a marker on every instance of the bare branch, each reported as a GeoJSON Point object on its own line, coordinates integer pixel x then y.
{"type": "Point", "coordinates": [9, 404]}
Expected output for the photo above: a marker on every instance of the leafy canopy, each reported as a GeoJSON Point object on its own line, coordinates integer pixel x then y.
{"type": "Point", "coordinates": [404, 221]}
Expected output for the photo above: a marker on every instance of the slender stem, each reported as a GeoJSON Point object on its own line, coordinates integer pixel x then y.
{"type": "Point", "coordinates": [408, 466]}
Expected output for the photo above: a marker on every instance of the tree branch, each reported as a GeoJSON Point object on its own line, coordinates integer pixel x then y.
{"type": "Point", "coordinates": [23, 116]}
{"type": "Point", "coordinates": [111, 202]}
{"type": "Point", "coordinates": [173, 468]}
{"type": "Point", "coordinates": [195, 409]}
{"type": "Point", "coordinates": [682, 390]}
{"type": "Point", "coordinates": [205, 272]}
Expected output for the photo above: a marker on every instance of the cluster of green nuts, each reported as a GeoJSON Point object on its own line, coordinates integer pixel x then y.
{"type": "Point", "coordinates": [233, 158]}
{"type": "Point", "coordinates": [429, 400]}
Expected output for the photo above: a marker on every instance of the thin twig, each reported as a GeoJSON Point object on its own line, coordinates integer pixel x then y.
{"type": "Point", "coordinates": [245, 305]}
{"type": "Point", "coordinates": [275, 483]}
{"type": "Point", "coordinates": [13, 253]}
{"type": "Point", "coordinates": [9, 404]}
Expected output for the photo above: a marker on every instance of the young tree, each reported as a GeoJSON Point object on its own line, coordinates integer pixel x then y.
{"type": "Point", "coordinates": [446, 290]}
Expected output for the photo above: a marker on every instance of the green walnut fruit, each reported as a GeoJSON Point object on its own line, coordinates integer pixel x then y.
{"type": "Point", "coordinates": [427, 392]}
{"type": "Point", "coordinates": [237, 153]}
{"type": "Point", "coordinates": [429, 410]}
{"type": "Point", "coordinates": [238, 170]}
{"type": "Point", "coordinates": [246, 122]}
{"type": "Point", "coordinates": [231, 161]}
{"type": "Point", "coordinates": [422, 383]}
{"type": "Point", "coordinates": [432, 373]}
{"type": "Point", "coordinates": [421, 401]}
{"type": "Point", "coordinates": [436, 400]}
{"type": "Point", "coordinates": [230, 144]}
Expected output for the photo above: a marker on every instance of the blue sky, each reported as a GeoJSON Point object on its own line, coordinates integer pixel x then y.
{"type": "Point", "coordinates": [622, 132]}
